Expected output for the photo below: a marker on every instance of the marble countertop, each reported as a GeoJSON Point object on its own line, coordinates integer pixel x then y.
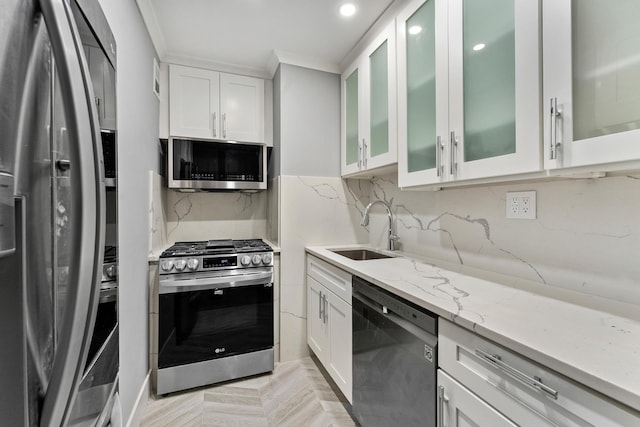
{"type": "Point", "coordinates": [594, 341]}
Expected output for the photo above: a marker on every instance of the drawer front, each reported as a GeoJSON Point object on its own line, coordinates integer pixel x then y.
{"type": "Point", "coordinates": [524, 391]}
{"type": "Point", "coordinates": [336, 280]}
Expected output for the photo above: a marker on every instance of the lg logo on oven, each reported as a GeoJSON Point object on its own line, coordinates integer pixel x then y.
{"type": "Point", "coordinates": [220, 350]}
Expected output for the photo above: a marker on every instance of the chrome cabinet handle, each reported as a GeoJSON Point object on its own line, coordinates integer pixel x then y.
{"type": "Point", "coordinates": [553, 129]}
{"type": "Point", "coordinates": [326, 314]}
{"type": "Point", "coordinates": [359, 156]}
{"type": "Point", "coordinates": [442, 401]}
{"type": "Point", "coordinates": [213, 121]}
{"type": "Point", "coordinates": [320, 305]}
{"type": "Point", "coordinates": [439, 148]}
{"type": "Point", "coordinates": [224, 125]}
{"type": "Point", "coordinates": [364, 153]}
{"type": "Point", "coordinates": [454, 146]}
{"type": "Point", "coordinates": [87, 238]}
{"type": "Point", "coordinates": [532, 382]}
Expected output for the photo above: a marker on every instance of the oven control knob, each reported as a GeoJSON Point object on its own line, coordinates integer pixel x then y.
{"type": "Point", "coordinates": [245, 260]}
{"type": "Point", "coordinates": [192, 264]}
{"type": "Point", "coordinates": [266, 259]}
{"type": "Point", "coordinates": [112, 271]}
{"type": "Point", "coordinates": [180, 264]}
{"type": "Point", "coordinates": [166, 265]}
{"type": "Point", "coordinates": [256, 260]}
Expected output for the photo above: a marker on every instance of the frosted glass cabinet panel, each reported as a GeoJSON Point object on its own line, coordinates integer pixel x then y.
{"type": "Point", "coordinates": [379, 100]}
{"type": "Point", "coordinates": [369, 141]}
{"type": "Point", "coordinates": [352, 149]}
{"type": "Point", "coordinates": [421, 89]}
{"type": "Point", "coordinates": [489, 81]}
{"type": "Point", "coordinates": [592, 82]}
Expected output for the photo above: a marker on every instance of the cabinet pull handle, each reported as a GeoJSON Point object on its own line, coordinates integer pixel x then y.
{"type": "Point", "coordinates": [214, 124]}
{"type": "Point", "coordinates": [532, 382]}
{"type": "Point", "coordinates": [326, 314]}
{"type": "Point", "coordinates": [364, 153]}
{"type": "Point", "coordinates": [454, 147]}
{"type": "Point", "coordinates": [224, 125]}
{"type": "Point", "coordinates": [442, 401]}
{"type": "Point", "coordinates": [553, 129]}
{"type": "Point", "coordinates": [359, 156]}
{"type": "Point", "coordinates": [439, 147]}
{"type": "Point", "coordinates": [320, 305]}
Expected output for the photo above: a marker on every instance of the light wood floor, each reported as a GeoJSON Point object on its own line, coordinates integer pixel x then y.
{"type": "Point", "coordinates": [295, 394]}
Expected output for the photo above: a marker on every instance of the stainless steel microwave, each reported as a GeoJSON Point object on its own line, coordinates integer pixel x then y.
{"type": "Point", "coordinates": [214, 165]}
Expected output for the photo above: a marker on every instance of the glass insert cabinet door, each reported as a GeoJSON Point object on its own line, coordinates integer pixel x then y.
{"type": "Point", "coordinates": [380, 117]}
{"type": "Point", "coordinates": [592, 82]}
{"type": "Point", "coordinates": [422, 92]}
{"type": "Point", "coordinates": [494, 90]}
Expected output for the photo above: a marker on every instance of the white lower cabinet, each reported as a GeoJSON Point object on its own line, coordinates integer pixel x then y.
{"type": "Point", "coordinates": [329, 324]}
{"type": "Point", "coordinates": [459, 407]}
{"type": "Point", "coordinates": [519, 389]}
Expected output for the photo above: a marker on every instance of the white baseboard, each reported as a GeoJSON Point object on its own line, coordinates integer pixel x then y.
{"type": "Point", "coordinates": [141, 402]}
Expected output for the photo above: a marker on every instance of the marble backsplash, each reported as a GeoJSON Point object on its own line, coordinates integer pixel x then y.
{"type": "Point", "coordinates": [586, 236]}
{"type": "Point", "coordinates": [313, 211]}
{"type": "Point", "coordinates": [176, 216]}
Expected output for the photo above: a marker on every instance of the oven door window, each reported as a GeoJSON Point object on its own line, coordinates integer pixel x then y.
{"type": "Point", "coordinates": [215, 161]}
{"type": "Point", "coordinates": [210, 324]}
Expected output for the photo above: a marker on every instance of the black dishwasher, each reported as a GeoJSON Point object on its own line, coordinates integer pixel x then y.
{"type": "Point", "coordinates": [394, 359]}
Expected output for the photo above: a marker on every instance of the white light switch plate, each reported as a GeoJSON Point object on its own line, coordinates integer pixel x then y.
{"type": "Point", "coordinates": [521, 204]}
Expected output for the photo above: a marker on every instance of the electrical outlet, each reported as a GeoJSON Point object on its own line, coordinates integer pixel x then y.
{"type": "Point", "coordinates": [521, 205]}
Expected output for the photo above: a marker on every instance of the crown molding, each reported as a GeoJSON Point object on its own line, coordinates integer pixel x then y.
{"type": "Point", "coordinates": [225, 67]}
{"type": "Point", "coordinates": [282, 57]}
{"type": "Point", "coordinates": [153, 28]}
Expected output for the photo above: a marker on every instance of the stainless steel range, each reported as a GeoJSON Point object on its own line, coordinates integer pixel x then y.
{"type": "Point", "coordinates": [215, 313]}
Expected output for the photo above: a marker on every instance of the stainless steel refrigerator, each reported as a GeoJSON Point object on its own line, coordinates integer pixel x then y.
{"type": "Point", "coordinates": [52, 216]}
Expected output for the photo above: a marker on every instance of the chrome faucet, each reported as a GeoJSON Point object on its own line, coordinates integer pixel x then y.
{"type": "Point", "coordinates": [365, 221]}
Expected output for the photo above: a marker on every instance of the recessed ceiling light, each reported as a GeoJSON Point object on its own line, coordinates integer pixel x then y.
{"type": "Point", "coordinates": [479, 46]}
{"type": "Point", "coordinates": [416, 29]}
{"type": "Point", "coordinates": [347, 9]}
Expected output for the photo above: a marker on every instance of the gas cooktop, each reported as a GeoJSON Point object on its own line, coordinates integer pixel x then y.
{"type": "Point", "coordinates": [216, 247]}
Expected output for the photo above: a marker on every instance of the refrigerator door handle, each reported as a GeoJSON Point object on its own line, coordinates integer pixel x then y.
{"type": "Point", "coordinates": [88, 200]}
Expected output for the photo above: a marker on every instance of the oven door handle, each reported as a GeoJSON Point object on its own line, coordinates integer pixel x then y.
{"type": "Point", "coordinates": [221, 282]}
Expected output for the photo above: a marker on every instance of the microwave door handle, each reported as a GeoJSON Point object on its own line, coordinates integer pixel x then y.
{"type": "Point", "coordinates": [88, 195]}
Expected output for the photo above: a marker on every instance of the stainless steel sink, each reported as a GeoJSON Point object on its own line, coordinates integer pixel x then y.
{"type": "Point", "coordinates": [360, 254]}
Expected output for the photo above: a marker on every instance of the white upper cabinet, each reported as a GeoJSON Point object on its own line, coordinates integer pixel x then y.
{"type": "Point", "coordinates": [369, 122]}
{"type": "Point", "coordinates": [591, 82]}
{"type": "Point", "coordinates": [242, 107]}
{"type": "Point", "coordinates": [212, 105]}
{"type": "Point", "coordinates": [468, 90]}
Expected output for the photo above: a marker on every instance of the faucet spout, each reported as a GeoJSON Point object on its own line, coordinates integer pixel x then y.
{"type": "Point", "coordinates": [365, 221]}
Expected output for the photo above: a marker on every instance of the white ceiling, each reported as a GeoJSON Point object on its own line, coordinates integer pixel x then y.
{"type": "Point", "coordinates": [247, 33]}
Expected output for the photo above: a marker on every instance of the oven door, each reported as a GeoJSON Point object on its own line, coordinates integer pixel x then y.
{"type": "Point", "coordinates": [210, 316]}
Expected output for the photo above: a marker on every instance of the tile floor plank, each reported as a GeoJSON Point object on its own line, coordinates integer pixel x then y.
{"type": "Point", "coordinates": [295, 394]}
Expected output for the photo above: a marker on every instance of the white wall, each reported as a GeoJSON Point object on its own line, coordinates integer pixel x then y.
{"type": "Point", "coordinates": [309, 122]}
{"type": "Point", "coordinates": [137, 154]}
